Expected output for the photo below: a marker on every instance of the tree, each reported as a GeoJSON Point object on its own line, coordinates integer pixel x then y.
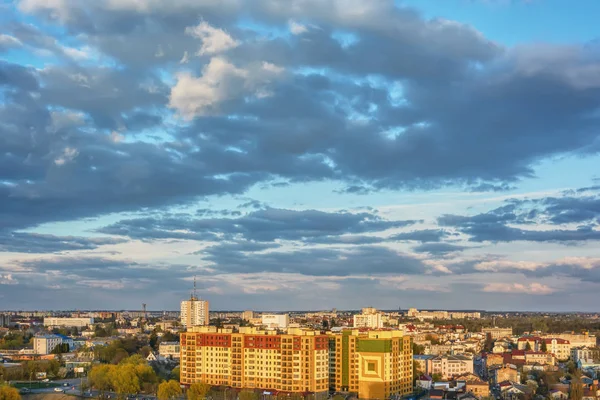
{"type": "Point", "coordinates": [248, 395]}
{"type": "Point", "coordinates": [575, 389]}
{"type": "Point", "coordinates": [124, 380]}
{"type": "Point", "coordinates": [338, 397]}
{"type": "Point", "coordinates": [175, 374]}
{"type": "Point", "coordinates": [99, 377]}
{"type": "Point", "coordinates": [416, 371]}
{"type": "Point", "coordinates": [9, 393]}
{"type": "Point", "coordinates": [198, 391]}
{"type": "Point", "coordinates": [436, 377]}
{"type": "Point", "coordinates": [417, 348]}
{"type": "Point", "coordinates": [325, 324]}
{"type": "Point", "coordinates": [169, 390]}
{"type": "Point", "coordinates": [60, 348]}
{"type": "Point", "coordinates": [528, 347]}
{"type": "Point", "coordinates": [543, 347]}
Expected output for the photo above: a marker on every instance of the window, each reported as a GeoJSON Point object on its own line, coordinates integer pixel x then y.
{"type": "Point", "coordinates": [371, 367]}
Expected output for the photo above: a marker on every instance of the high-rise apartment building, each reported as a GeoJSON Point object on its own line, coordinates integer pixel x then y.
{"type": "Point", "coordinates": [374, 364]}
{"type": "Point", "coordinates": [194, 312]}
{"type": "Point", "coordinates": [369, 318]}
{"type": "Point", "coordinates": [295, 362]}
{"type": "Point", "coordinates": [247, 315]}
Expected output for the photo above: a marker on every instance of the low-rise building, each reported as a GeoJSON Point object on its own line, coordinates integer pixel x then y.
{"type": "Point", "coordinates": [169, 349]}
{"type": "Point", "coordinates": [506, 372]}
{"type": "Point", "coordinates": [497, 333]}
{"type": "Point", "coordinates": [449, 366]}
{"type": "Point", "coordinates": [585, 353]}
{"type": "Point", "coordinates": [475, 385]}
{"type": "Point", "coordinates": [68, 322]}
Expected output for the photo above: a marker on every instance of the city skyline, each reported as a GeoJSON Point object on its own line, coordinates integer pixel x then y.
{"type": "Point", "coordinates": [298, 154]}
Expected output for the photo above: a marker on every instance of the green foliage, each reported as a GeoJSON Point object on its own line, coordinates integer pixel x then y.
{"type": "Point", "coordinates": [169, 390]}
{"type": "Point", "coordinates": [14, 340]}
{"type": "Point", "coordinates": [543, 347]}
{"type": "Point", "coordinates": [248, 395]}
{"type": "Point", "coordinates": [198, 391]}
{"type": "Point", "coordinates": [130, 376]}
{"type": "Point", "coordinates": [169, 337]}
{"type": "Point", "coordinates": [528, 346]}
{"type": "Point", "coordinates": [117, 350]}
{"type": "Point", "coordinates": [175, 374]}
{"type": "Point", "coordinates": [338, 397]}
{"type": "Point", "coordinates": [436, 377]}
{"type": "Point", "coordinates": [417, 348]}
{"type": "Point", "coordinates": [107, 331]}
{"type": "Point", "coordinates": [9, 393]}
{"type": "Point", "coordinates": [60, 348]}
{"type": "Point", "coordinates": [154, 340]}
{"type": "Point", "coordinates": [416, 371]}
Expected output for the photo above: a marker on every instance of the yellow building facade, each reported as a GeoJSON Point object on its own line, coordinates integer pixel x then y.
{"type": "Point", "coordinates": [296, 362]}
{"type": "Point", "coordinates": [373, 364]}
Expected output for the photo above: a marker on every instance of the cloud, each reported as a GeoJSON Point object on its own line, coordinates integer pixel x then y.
{"type": "Point", "coordinates": [220, 82]}
{"type": "Point", "coordinates": [296, 28]}
{"type": "Point", "coordinates": [214, 40]}
{"type": "Point", "coordinates": [532, 288]}
{"type": "Point", "coordinates": [21, 242]}
{"type": "Point", "coordinates": [262, 225]}
{"type": "Point", "coordinates": [8, 42]}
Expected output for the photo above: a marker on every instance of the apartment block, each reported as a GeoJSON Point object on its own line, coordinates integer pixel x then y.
{"type": "Point", "coordinates": [275, 321]}
{"type": "Point", "coordinates": [46, 343]}
{"type": "Point", "coordinates": [369, 318]}
{"type": "Point", "coordinates": [295, 362]}
{"type": "Point", "coordinates": [373, 364]}
{"type": "Point", "coordinates": [194, 312]}
{"type": "Point", "coordinates": [449, 366]}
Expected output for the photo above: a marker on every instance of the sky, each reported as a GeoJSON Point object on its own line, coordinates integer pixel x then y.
{"type": "Point", "coordinates": [300, 154]}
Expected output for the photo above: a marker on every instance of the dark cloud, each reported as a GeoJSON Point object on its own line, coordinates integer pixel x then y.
{"type": "Point", "coordinates": [22, 242]}
{"type": "Point", "coordinates": [425, 235]}
{"type": "Point", "coordinates": [438, 248]}
{"type": "Point", "coordinates": [263, 225]}
{"type": "Point", "coordinates": [317, 262]}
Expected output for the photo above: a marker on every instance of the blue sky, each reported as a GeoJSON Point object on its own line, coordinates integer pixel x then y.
{"type": "Point", "coordinates": [305, 154]}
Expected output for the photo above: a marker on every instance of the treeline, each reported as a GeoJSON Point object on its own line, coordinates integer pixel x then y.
{"type": "Point", "coordinates": [28, 369]}
{"type": "Point", "coordinates": [522, 324]}
{"type": "Point", "coordinates": [15, 340]}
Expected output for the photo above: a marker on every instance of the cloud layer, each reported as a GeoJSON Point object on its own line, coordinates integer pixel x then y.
{"type": "Point", "coordinates": [121, 120]}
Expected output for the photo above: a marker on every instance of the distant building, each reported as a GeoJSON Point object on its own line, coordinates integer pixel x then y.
{"type": "Point", "coordinates": [369, 318]}
{"type": "Point", "coordinates": [46, 343]}
{"type": "Point", "coordinates": [68, 322]}
{"type": "Point", "coordinates": [248, 315]}
{"type": "Point", "coordinates": [169, 349]}
{"type": "Point", "coordinates": [4, 320]}
{"type": "Point", "coordinates": [585, 354]}
{"type": "Point", "coordinates": [275, 321]}
{"type": "Point", "coordinates": [194, 312]}
{"type": "Point", "coordinates": [497, 333]}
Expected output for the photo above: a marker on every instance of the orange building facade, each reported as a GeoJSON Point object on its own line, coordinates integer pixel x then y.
{"type": "Point", "coordinates": [296, 362]}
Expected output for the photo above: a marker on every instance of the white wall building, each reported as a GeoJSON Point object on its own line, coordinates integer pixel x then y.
{"type": "Point", "coordinates": [194, 312]}
{"type": "Point", "coordinates": [370, 318]}
{"type": "Point", "coordinates": [69, 322]}
{"type": "Point", "coordinates": [45, 344]}
{"type": "Point", "coordinates": [274, 321]}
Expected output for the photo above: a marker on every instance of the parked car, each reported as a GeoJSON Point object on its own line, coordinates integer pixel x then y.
{"type": "Point", "coordinates": [24, 390]}
{"type": "Point", "coordinates": [46, 380]}
{"type": "Point", "coordinates": [58, 390]}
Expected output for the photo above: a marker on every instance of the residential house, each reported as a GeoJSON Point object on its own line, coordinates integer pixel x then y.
{"type": "Point", "coordinates": [474, 385]}
{"type": "Point", "coordinates": [503, 373]}
{"type": "Point", "coordinates": [449, 366]}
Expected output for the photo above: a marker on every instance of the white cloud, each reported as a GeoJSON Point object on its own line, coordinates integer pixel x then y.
{"type": "Point", "coordinates": [77, 54]}
{"type": "Point", "coordinates": [221, 81]}
{"type": "Point", "coordinates": [116, 137]}
{"type": "Point", "coordinates": [297, 28]}
{"type": "Point", "coordinates": [68, 154]}
{"type": "Point", "coordinates": [58, 9]}
{"type": "Point", "coordinates": [532, 288]}
{"type": "Point", "coordinates": [9, 41]}
{"type": "Point", "coordinates": [499, 265]}
{"type": "Point", "coordinates": [185, 59]}
{"type": "Point", "coordinates": [214, 40]}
